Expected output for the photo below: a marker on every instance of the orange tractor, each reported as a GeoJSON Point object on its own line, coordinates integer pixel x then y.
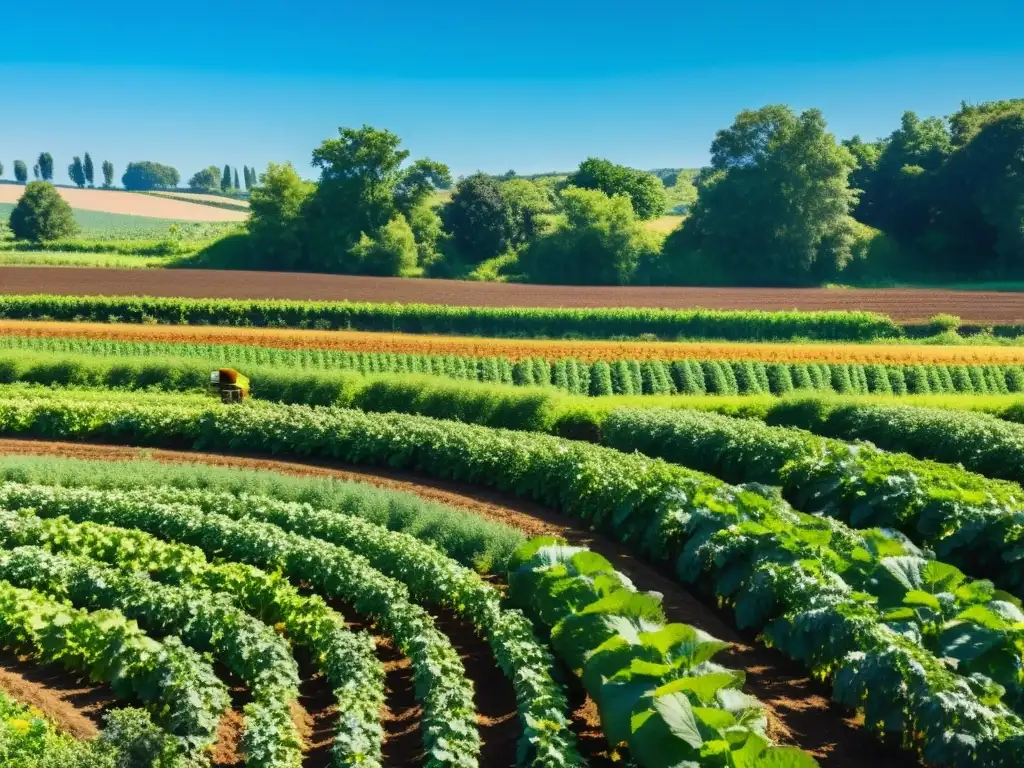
{"type": "Point", "coordinates": [229, 385]}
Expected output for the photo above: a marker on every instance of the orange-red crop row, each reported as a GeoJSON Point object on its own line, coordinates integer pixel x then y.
{"type": "Point", "coordinates": [517, 349]}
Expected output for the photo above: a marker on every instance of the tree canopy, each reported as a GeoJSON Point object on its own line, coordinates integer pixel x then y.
{"type": "Point", "coordinates": [146, 175]}
{"type": "Point", "coordinates": [774, 205]}
{"type": "Point", "coordinates": [645, 191]}
{"type": "Point", "coordinates": [206, 180]}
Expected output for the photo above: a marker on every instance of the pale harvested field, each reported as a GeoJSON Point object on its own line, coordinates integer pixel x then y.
{"type": "Point", "coordinates": [663, 224]}
{"type": "Point", "coordinates": [517, 349]}
{"type": "Point", "coordinates": [237, 203]}
{"type": "Point", "coordinates": [131, 204]}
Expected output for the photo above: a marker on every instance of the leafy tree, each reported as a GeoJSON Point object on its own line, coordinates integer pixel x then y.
{"type": "Point", "coordinates": [774, 205]}
{"type": "Point", "coordinates": [225, 179]}
{"type": "Point", "coordinates": [88, 169]}
{"type": "Point", "coordinates": [42, 214]}
{"type": "Point", "coordinates": [525, 203]}
{"type": "Point", "coordinates": [206, 180]}
{"type": "Point", "coordinates": [108, 174]}
{"type": "Point", "coordinates": [982, 200]}
{"type": "Point", "coordinates": [478, 219]}
{"type": "Point", "coordinates": [969, 120]}
{"type": "Point", "coordinates": [645, 191]}
{"type": "Point", "coordinates": [46, 166]}
{"type": "Point", "coordinates": [236, 179]}
{"type": "Point", "coordinates": [276, 225]}
{"type": "Point", "coordinates": [146, 175]}
{"type": "Point", "coordinates": [36, 172]}
{"type": "Point", "coordinates": [245, 177]}
{"type": "Point", "coordinates": [391, 252]}
{"type": "Point", "coordinates": [599, 242]}
{"type": "Point", "coordinates": [76, 172]}
{"type": "Point", "coordinates": [900, 190]}
{"type": "Point", "coordinates": [362, 186]}
{"type": "Point", "coordinates": [1, 170]}
{"type": "Point", "coordinates": [20, 171]}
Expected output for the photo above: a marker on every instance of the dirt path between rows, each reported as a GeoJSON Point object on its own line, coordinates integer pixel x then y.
{"type": "Point", "coordinates": [798, 708]}
{"type": "Point", "coordinates": [903, 305]}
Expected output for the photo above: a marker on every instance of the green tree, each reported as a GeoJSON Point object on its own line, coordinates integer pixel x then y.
{"type": "Point", "coordinates": [146, 175]}
{"type": "Point", "coordinates": [525, 204]}
{"type": "Point", "coordinates": [46, 166]}
{"type": "Point", "coordinates": [225, 179]}
{"type": "Point", "coordinates": [245, 177]}
{"type": "Point", "coordinates": [206, 180]}
{"type": "Point", "coordinates": [1, 170]}
{"type": "Point", "coordinates": [20, 171]}
{"type": "Point", "coordinates": [36, 172]}
{"type": "Point", "coordinates": [76, 172]}
{"type": "Point", "coordinates": [276, 225]}
{"type": "Point", "coordinates": [865, 155]}
{"type": "Point", "coordinates": [478, 219]}
{"type": "Point", "coordinates": [982, 203]}
{"type": "Point", "coordinates": [236, 185]}
{"type": "Point", "coordinates": [968, 121]}
{"type": "Point", "coordinates": [88, 169]}
{"type": "Point", "coordinates": [42, 214]}
{"type": "Point", "coordinates": [599, 242]}
{"type": "Point", "coordinates": [645, 191]}
{"type": "Point", "coordinates": [391, 251]}
{"type": "Point", "coordinates": [362, 187]}
{"type": "Point", "coordinates": [900, 189]}
{"type": "Point", "coordinates": [108, 174]}
{"type": "Point", "coordinates": [773, 207]}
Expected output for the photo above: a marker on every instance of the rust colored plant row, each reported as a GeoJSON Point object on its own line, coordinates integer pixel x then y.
{"type": "Point", "coordinates": [518, 349]}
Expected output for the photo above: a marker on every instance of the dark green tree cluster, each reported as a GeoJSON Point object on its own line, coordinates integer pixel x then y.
{"type": "Point", "coordinates": [146, 175]}
{"type": "Point", "coordinates": [108, 174]}
{"type": "Point", "coordinates": [76, 172]}
{"type": "Point", "coordinates": [645, 191]}
{"type": "Point", "coordinates": [368, 214]}
{"type": "Point", "coordinates": [773, 209]}
{"type": "Point", "coordinates": [206, 180]}
{"type": "Point", "coordinates": [949, 191]}
{"type": "Point", "coordinates": [20, 171]}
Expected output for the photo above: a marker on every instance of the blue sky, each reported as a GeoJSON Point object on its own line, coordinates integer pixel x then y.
{"type": "Point", "coordinates": [528, 85]}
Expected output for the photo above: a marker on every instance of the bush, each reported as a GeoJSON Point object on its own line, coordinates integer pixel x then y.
{"type": "Point", "coordinates": [944, 323]}
{"type": "Point", "coordinates": [390, 253]}
{"type": "Point", "coordinates": [42, 214]}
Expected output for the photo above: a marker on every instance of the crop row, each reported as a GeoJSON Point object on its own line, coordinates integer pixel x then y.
{"type": "Point", "coordinates": [450, 738]}
{"type": "Point", "coordinates": [603, 323]}
{"type": "Point", "coordinates": [172, 338]}
{"type": "Point", "coordinates": [70, 362]}
{"type": "Point", "coordinates": [827, 595]}
{"type": "Point", "coordinates": [654, 683]}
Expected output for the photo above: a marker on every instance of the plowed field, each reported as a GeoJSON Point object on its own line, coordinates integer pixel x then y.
{"type": "Point", "coordinates": [980, 307]}
{"type": "Point", "coordinates": [518, 349]}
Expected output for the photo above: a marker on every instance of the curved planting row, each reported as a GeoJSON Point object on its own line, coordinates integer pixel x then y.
{"type": "Point", "coordinates": [970, 521]}
{"type": "Point", "coordinates": [449, 724]}
{"type": "Point", "coordinates": [805, 582]}
{"type": "Point", "coordinates": [63, 360]}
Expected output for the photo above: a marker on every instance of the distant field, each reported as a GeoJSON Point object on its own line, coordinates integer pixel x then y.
{"type": "Point", "coordinates": [97, 225]}
{"type": "Point", "coordinates": [131, 204]}
{"type": "Point", "coordinates": [201, 197]}
{"type": "Point", "coordinates": [72, 259]}
{"type": "Point", "coordinates": [663, 224]}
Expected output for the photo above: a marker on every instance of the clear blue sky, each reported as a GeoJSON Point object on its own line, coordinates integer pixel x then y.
{"type": "Point", "coordinates": [528, 85]}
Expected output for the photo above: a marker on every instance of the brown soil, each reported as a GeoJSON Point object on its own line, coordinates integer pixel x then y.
{"type": "Point", "coordinates": [905, 305]}
{"type": "Point", "coordinates": [74, 704]}
{"type": "Point", "coordinates": [798, 708]}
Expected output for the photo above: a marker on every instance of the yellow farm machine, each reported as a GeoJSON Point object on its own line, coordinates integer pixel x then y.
{"type": "Point", "coordinates": [229, 385]}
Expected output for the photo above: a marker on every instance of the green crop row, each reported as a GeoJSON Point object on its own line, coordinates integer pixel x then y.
{"type": "Point", "coordinates": [804, 582]}
{"type": "Point", "coordinates": [262, 531]}
{"type": "Point", "coordinates": [620, 377]}
{"type": "Point", "coordinates": [519, 322]}
{"type": "Point", "coordinates": [247, 647]}
{"type": "Point", "coordinates": [654, 683]}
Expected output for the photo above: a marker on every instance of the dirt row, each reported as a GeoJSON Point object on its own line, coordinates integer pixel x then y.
{"type": "Point", "coordinates": [798, 707]}
{"type": "Point", "coordinates": [904, 305]}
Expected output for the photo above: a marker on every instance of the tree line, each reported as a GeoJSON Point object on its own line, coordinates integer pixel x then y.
{"type": "Point", "coordinates": [138, 176]}
{"type": "Point", "coordinates": [783, 202]}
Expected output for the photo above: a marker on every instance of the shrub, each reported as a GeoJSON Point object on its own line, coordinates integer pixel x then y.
{"type": "Point", "coordinates": [42, 214]}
